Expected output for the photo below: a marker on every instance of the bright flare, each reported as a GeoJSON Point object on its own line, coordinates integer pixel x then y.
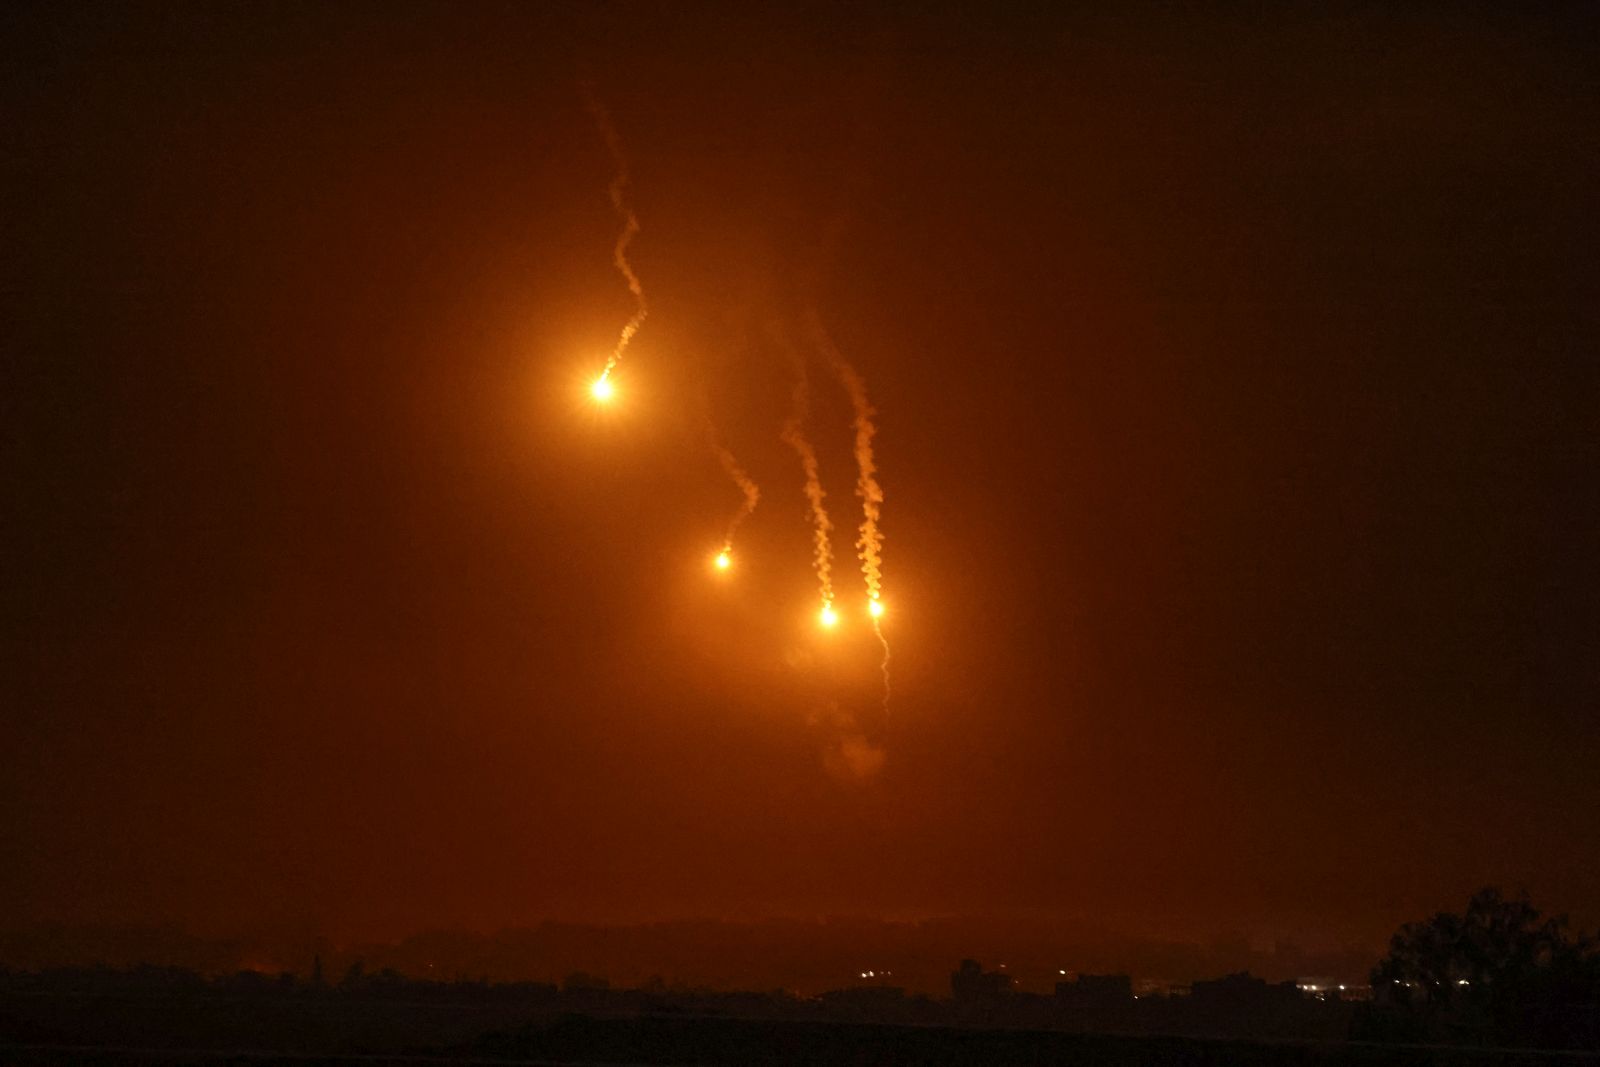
{"type": "Point", "coordinates": [828, 616]}
{"type": "Point", "coordinates": [723, 560]}
{"type": "Point", "coordinates": [875, 608]}
{"type": "Point", "coordinates": [602, 389]}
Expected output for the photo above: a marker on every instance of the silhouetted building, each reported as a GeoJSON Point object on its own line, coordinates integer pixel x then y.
{"type": "Point", "coordinates": [970, 983]}
{"type": "Point", "coordinates": [583, 982]}
{"type": "Point", "coordinates": [1096, 990]}
{"type": "Point", "coordinates": [1242, 991]}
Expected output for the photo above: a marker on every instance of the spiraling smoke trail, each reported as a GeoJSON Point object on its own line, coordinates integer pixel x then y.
{"type": "Point", "coordinates": [869, 544]}
{"type": "Point", "coordinates": [746, 484]}
{"type": "Point", "coordinates": [618, 192]}
{"type": "Point", "coordinates": [794, 435]}
{"type": "Point", "coordinates": [884, 666]}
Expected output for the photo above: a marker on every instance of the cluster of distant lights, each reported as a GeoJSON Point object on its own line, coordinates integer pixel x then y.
{"type": "Point", "coordinates": [603, 391]}
{"type": "Point", "coordinates": [1309, 988]}
{"type": "Point", "coordinates": [1413, 985]}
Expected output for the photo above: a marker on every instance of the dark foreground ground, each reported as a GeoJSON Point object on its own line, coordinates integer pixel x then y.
{"type": "Point", "coordinates": [108, 1029]}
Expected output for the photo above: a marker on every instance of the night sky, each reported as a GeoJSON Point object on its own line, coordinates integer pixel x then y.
{"type": "Point", "coordinates": [1237, 393]}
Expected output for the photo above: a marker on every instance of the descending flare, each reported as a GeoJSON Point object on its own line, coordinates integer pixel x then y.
{"type": "Point", "coordinates": [618, 191]}
{"type": "Point", "coordinates": [724, 560]}
{"type": "Point", "coordinates": [827, 616]}
{"type": "Point", "coordinates": [869, 544]}
{"type": "Point", "coordinates": [602, 389]}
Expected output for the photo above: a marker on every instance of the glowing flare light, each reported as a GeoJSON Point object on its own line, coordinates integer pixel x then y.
{"type": "Point", "coordinates": [602, 389]}
{"type": "Point", "coordinates": [828, 616]}
{"type": "Point", "coordinates": [724, 560]}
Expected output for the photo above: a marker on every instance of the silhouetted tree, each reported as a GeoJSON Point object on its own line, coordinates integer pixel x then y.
{"type": "Point", "coordinates": [1501, 971]}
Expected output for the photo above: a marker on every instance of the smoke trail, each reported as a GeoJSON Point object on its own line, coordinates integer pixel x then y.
{"type": "Point", "coordinates": [869, 544]}
{"type": "Point", "coordinates": [877, 631]}
{"type": "Point", "coordinates": [618, 191]}
{"type": "Point", "coordinates": [747, 486]}
{"type": "Point", "coordinates": [795, 437]}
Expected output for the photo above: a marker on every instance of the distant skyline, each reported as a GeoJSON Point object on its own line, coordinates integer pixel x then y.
{"type": "Point", "coordinates": [808, 955]}
{"type": "Point", "coordinates": [1235, 392]}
